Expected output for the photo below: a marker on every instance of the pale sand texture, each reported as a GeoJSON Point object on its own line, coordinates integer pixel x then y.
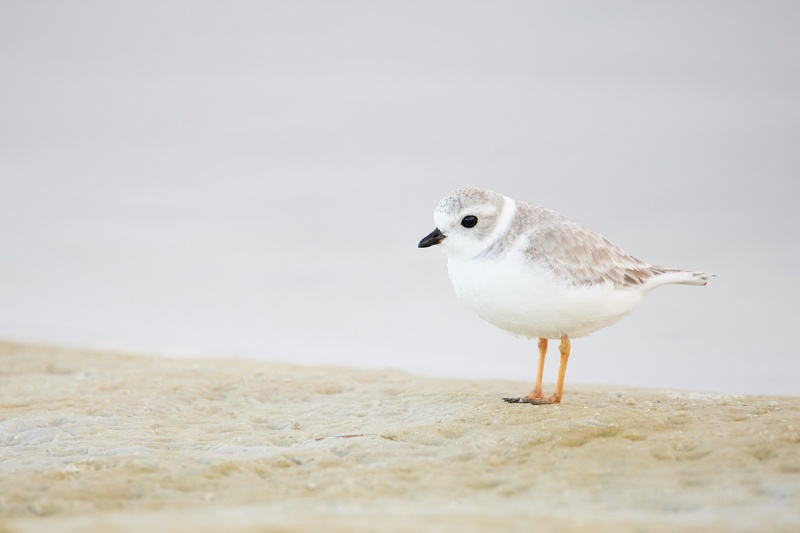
{"type": "Point", "coordinates": [106, 442]}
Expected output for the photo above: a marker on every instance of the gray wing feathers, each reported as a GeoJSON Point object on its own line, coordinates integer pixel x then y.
{"type": "Point", "coordinates": [581, 256]}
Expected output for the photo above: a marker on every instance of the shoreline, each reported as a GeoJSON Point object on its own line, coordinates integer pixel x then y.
{"type": "Point", "coordinates": [125, 442]}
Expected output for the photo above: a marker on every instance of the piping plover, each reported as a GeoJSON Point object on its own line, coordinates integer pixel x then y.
{"type": "Point", "coordinates": [536, 273]}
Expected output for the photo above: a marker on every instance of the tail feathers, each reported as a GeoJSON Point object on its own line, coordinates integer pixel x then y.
{"type": "Point", "coordinates": [697, 278]}
{"type": "Point", "coordinates": [666, 276]}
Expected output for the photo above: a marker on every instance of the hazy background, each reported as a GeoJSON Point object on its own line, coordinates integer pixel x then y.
{"type": "Point", "coordinates": [251, 179]}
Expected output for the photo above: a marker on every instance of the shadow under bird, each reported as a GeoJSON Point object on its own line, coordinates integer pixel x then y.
{"type": "Point", "coordinates": [534, 272]}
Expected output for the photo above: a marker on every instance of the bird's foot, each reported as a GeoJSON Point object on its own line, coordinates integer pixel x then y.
{"type": "Point", "coordinates": [534, 398]}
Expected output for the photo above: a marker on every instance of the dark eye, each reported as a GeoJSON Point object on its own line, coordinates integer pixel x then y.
{"type": "Point", "coordinates": [469, 221]}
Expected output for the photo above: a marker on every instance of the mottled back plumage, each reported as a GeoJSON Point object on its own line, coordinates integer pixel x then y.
{"type": "Point", "coordinates": [579, 255]}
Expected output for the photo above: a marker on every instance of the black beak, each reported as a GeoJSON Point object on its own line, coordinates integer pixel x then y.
{"type": "Point", "coordinates": [434, 237]}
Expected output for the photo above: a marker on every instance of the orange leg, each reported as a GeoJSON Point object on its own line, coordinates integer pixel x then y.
{"type": "Point", "coordinates": [537, 389]}
{"type": "Point", "coordinates": [564, 348]}
{"type": "Point", "coordinates": [537, 396]}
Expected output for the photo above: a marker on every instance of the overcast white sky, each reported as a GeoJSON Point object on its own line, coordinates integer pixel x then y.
{"type": "Point", "coordinates": [252, 178]}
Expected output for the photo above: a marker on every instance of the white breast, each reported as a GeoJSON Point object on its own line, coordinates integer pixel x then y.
{"type": "Point", "coordinates": [526, 299]}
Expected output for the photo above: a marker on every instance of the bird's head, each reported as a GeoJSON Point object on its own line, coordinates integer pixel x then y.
{"type": "Point", "coordinates": [466, 221]}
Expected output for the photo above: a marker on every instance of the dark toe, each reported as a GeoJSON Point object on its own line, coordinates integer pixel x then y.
{"type": "Point", "coordinates": [543, 400]}
{"type": "Point", "coordinates": [517, 400]}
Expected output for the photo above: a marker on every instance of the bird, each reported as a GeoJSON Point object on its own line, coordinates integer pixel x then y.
{"type": "Point", "coordinates": [539, 274]}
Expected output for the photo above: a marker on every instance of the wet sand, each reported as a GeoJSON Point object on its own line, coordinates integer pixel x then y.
{"type": "Point", "coordinates": [103, 441]}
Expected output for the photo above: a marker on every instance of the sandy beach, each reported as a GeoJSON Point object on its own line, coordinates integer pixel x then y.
{"type": "Point", "coordinates": [111, 442]}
